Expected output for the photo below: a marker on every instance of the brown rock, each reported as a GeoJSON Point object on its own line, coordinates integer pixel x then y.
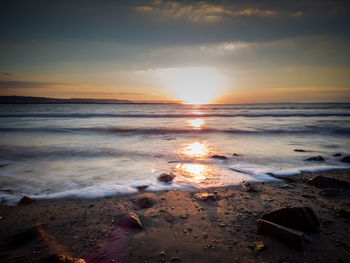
{"type": "Point", "coordinates": [131, 220]}
{"type": "Point", "coordinates": [289, 236]}
{"type": "Point", "coordinates": [327, 182]}
{"type": "Point", "coordinates": [248, 187]}
{"type": "Point", "coordinates": [26, 200]}
{"type": "Point", "coordinates": [221, 157]}
{"type": "Point", "coordinates": [145, 202]}
{"type": "Point", "coordinates": [166, 177]}
{"type": "Point", "coordinates": [206, 197]}
{"type": "Point", "coordinates": [301, 218]}
{"type": "Point", "coordinates": [142, 187]}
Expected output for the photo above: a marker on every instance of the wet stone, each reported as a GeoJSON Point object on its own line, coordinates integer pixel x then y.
{"type": "Point", "coordinates": [26, 200]}
{"type": "Point", "coordinates": [318, 158]}
{"type": "Point", "coordinates": [166, 177]}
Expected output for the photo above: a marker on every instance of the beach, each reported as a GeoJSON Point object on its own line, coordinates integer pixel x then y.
{"type": "Point", "coordinates": [209, 225]}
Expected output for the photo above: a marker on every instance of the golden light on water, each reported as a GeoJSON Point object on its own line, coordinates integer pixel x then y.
{"type": "Point", "coordinates": [196, 123]}
{"type": "Point", "coordinates": [196, 149]}
{"type": "Point", "coordinates": [194, 172]}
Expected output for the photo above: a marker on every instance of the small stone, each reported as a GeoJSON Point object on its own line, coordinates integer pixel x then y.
{"type": "Point", "coordinates": [26, 200]}
{"type": "Point", "coordinates": [337, 155]}
{"type": "Point", "coordinates": [222, 224]}
{"type": "Point", "coordinates": [206, 197]}
{"type": "Point", "coordinates": [299, 150]}
{"type": "Point", "coordinates": [205, 235]}
{"type": "Point", "coordinates": [166, 177]}
{"type": "Point", "coordinates": [248, 187]}
{"type": "Point", "coordinates": [221, 157]}
{"type": "Point", "coordinates": [345, 159]}
{"type": "Point", "coordinates": [142, 187]}
{"type": "Point", "coordinates": [144, 202]}
{"type": "Point", "coordinates": [318, 158]}
{"type": "Point", "coordinates": [131, 220]}
{"type": "Point", "coordinates": [260, 246]}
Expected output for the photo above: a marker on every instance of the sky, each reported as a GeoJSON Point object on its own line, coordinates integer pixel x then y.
{"type": "Point", "coordinates": [249, 51]}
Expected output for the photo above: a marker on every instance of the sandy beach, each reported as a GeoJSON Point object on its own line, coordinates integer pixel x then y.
{"type": "Point", "coordinates": [213, 225]}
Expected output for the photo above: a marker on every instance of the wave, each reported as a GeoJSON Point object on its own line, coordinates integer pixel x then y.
{"type": "Point", "coordinates": [223, 115]}
{"type": "Point", "coordinates": [168, 131]}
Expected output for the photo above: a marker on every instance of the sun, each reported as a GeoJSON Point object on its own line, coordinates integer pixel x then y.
{"type": "Point", "coordinates": [193, 85]}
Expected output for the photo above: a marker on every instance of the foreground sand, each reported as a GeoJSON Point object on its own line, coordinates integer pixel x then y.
{"type": "Point", "coordinates": [180, 228]}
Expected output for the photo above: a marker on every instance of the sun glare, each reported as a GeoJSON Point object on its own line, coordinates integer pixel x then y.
{"type": "Point", "coordinates": [194, 172]}
{"type": "Point", "coordinates": [193, 85]}
{"type": "Point", "coordinates": [196, 149]}
{"type": "Point", "coordinates": [196, 123]}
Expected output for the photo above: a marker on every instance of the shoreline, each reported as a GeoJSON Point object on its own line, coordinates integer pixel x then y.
{"type": "Point", "coordinates": [179, 226]}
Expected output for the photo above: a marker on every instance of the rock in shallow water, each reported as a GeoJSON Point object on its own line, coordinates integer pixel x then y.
{"type": "Point", "coordinates": [142, 187]}
{"type": "Point", "coordinates": [221, 157]}
{"type": "Point", "coordinates": [318, 158]}
{"type": "Point", "coordinates": [26, 200]}
{"type": "Point", "coordinates": [345, 159]}
{"type": "Point", "coordinates": [166, 177]}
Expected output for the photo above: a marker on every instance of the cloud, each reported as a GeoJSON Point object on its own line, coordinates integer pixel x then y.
{"type": "Point", "coordinates": [8, 74]}
{"type": "Point", "coordinates": [200, 11]}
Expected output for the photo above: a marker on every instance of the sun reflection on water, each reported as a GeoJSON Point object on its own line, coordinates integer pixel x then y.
{"type": "Point", "coordinates": [196, 149]}
{"type": "Point", "coordinates": [196, 123]}
{"type": "Point", "coordinates": [194, 172]}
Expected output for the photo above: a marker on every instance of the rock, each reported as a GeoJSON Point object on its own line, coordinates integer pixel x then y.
{"type": "Point", "coordinates": [345, 159]}
{"type": "Point", "coordinates": [260, 246]}
{"type": "Point", "coordinates": [206, 197]}
{"type": "Point", "coordinates": [131, 220]}
{"type": "Point", "coordinates": [337, 155]}
{"type": "Point", "coordinates": [285, 178]}
{"type": "Point", "coordinates": [26, 200]}
{"type": "Point", "coordinates": [144, 202]}
{"type": "Point", "coordinates": [4, 165]}
{"type": "Point", "coordinates": [63, 259]}
{"type": "Point", "coordinates": [329, 192]}
{"type": "Point", "coordinates": [248, 187]}
{"type": "Point", "coordinates": [166, 177]}
{"type": "Point", "coordinates": [285, 186]}
{"type": "Point", "coordinates": [299, 150]}
{"type": "Point", "coordinates": [318, 158]}
{"type": "Point", "coordinates": [300, 218]}
{"type": "Point", "coordinates": [289, 236]}
{"type": "Point", "coordinates": [327, 182]}
{"type": "Point", "coordinates": [142, 187]}
{"type": "Point", "coordinates": [221, 157]}
{"type": "Point", "coordinates": [236, 154]}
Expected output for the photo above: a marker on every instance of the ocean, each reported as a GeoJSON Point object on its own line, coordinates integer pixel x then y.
{"type": "Point", "coordinates": [95, 150]}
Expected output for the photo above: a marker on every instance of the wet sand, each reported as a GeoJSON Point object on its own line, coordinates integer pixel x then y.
{"type": "Point", "coordinates": [178, 226]}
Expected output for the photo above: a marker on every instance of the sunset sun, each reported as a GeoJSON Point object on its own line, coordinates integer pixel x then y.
{"type": "Point", "coordinates": [193, 85]}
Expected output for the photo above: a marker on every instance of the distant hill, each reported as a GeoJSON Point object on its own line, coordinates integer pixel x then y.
{"type": "Point", "coordinates": [43, 100]}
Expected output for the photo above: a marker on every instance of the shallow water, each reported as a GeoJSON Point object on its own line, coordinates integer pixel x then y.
{"type": "Point", "coordinates": [96, 150]}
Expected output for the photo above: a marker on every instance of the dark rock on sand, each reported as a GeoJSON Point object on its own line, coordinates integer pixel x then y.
{"type": "Point", "coordinates": [289, 236]}
{"type": "Point", "coordinates": [26, 200]}
{"type": "Point", "coordinates": [131, 220]}
{"type": "Point", "coordinates": [337, 155]}
{"type": "Point", "coordinates": [145, 202]}
{"type": "Point", "coordinates": [248, 187]}
{"type": "Point", "coordinates": [22, 238]}
{"type": "Point", "coordinates": [4, 165]}
{"type": "Point", "coordinates": [318, 158]}
{"type": "Point", "coordinates": [63, 259]}
{"type": "Point", "coordinates": [142, 187]}
{"type": "Point", "coordinates": [327, 182]}
{"type": "Point", "coordinates": [300, 218]}
{"type": "Point", "coordinates": [345, 159]}
{"type": "Point", "coordinates": [299, 150]}
{"type": "Point", "coordinates": [236, 154]}
{"type": "Point", "coordinates": [221, 157]}
{"type": "Point", "coordinates": [166, 177]}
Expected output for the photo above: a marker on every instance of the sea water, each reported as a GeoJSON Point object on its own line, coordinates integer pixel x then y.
{"type": "Point", "coordinates": [94, 150]}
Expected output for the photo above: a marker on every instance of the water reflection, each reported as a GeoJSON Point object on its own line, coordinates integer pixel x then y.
{"type": "Point", "coordinates": [194, 172]}
{"type": "Point", "coordinates": [196, 123]}
{"type": "Point", "coordinates": [196, 149]}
